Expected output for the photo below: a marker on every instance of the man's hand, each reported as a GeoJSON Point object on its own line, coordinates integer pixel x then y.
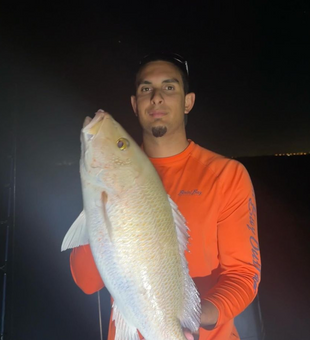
{"type": "Point", "coordinates": [191, 336]}
{"type": "Point", "coordinates": [209, 316]}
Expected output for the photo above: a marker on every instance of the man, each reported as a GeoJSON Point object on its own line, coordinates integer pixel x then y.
{"type": "Point", "coordinates": [214, 194]}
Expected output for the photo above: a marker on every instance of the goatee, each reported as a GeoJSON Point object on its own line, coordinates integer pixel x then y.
{"type": "Point", "coordinates": [159, 131]}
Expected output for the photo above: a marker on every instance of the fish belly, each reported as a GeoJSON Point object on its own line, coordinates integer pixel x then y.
{"type": "Point", "coordinates": [140, 264]}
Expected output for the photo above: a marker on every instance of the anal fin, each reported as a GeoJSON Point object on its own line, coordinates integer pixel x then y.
{"type": "Point", "coordinates": [122, 329]}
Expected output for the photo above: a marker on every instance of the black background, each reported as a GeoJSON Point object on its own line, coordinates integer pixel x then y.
{"type": "Point", "coordinates": [249, 68]}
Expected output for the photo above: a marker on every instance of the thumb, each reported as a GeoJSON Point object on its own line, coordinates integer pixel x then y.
{"type": "Point", "coordinates": [188, 334]}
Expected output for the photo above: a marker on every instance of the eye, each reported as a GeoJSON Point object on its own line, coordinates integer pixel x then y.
{"type": "Point", "coordinates": [169, 87]}
{"type": "Point", "coordinates": [122, 143]}
{"type": "Point", "coordinates": [145, 89]}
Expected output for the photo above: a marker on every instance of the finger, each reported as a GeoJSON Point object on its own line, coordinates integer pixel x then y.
{"type": "Point", "coordinates": [188, 335]}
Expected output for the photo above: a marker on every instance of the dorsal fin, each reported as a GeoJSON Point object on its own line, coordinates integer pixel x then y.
{"type": "Point", "coordinates": [190, 317]}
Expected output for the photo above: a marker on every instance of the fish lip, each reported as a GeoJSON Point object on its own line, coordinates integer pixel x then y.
{"type": "Point", "coordinates": [99, 116]}
{"type": "Point", "coordinates": [87, 137]}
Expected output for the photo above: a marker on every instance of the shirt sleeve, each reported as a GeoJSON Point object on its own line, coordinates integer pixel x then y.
{"type": "Point", "coordinates": [238, 247]}
{"type": "Point", "coordinates": [84, 271]}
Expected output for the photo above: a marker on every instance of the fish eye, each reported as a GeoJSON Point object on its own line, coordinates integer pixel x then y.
{"type": "Point", "coordinates": [122, 143]}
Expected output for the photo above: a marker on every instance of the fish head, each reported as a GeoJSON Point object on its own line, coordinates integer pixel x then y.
{"type": "Point", "coordinates": [110, 157]}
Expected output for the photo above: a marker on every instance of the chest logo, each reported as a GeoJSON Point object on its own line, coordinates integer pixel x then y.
{"type": "Point", "coordinates": [194, 192]}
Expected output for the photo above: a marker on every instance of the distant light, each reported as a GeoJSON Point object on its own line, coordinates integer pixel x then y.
{"type": "Point", "coordinates": [287, 154]}
{"type": "Point", "coordinates": [293, 154]}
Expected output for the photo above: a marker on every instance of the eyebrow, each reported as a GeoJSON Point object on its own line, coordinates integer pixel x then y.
{"type": "Point", "coordinates": [171, 80]}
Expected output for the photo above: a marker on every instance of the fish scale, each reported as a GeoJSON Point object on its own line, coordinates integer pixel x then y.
{"type": "Point", "coordinates": [136, 234]}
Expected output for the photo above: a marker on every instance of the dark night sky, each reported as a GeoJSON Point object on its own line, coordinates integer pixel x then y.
{"type": "Point", "coordinates": [249, 66]}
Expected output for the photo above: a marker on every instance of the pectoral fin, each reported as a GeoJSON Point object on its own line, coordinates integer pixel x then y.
{"type": "Point", "coordinates": [77, 235]}
{"type": "Point", "coordinates": [108, 225]}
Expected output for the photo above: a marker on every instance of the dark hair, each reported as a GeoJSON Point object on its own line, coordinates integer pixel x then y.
{"type": "Point", "coordinates": [173, 58]}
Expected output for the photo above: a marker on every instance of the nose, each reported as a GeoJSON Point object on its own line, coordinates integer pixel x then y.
{"type": "Point", "coordinates": [157, 97]}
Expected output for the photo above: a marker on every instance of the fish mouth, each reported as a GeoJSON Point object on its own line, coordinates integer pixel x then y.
{"type": "Point", "coordinates": [91, 126]}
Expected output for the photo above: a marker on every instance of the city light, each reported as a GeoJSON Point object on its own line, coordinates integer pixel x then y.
{"type": "Point", "coordinates": [293, 154]}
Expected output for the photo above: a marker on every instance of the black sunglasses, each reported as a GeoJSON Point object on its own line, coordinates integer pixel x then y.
{"type": "Point", "coordinates": [173, 58]}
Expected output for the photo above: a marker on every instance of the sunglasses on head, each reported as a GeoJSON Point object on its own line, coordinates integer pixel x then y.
{"type": "Point", "coordinates": [173, 58]}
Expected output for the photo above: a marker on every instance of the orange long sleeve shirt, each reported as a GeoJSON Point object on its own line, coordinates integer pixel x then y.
{"type": "Point", "coordinates": [216, 197]}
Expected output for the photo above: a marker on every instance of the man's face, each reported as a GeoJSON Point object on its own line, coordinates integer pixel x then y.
{"type": "Point", "coordinates": [160, 102]}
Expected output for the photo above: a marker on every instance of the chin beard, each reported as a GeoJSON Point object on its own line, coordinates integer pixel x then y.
{"type": "Point", "coordinates": [159, 131]}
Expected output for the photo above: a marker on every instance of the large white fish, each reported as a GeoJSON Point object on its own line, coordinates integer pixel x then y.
{"type": "Point", "coordinates": [136, 234]}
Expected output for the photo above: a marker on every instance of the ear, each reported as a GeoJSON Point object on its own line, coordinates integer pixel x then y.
{"type": "Point", "coordinates": [189, 102]}
{"type": "Point", "coordinates": [134, 104]}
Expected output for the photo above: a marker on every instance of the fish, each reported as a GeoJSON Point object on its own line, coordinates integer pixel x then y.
{"type": "Point", "coordinates": [137, 236]}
